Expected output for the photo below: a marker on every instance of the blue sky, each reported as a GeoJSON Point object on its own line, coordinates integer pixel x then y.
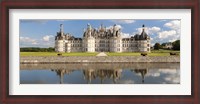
{"type": "Point", "coordinates": [41, 33]}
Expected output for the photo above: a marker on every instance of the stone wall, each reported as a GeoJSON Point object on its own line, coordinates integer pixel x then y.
{"type": "Point", "coordinates": [97, 59]}
{"type": "Point", "coordinates": [101, 66]}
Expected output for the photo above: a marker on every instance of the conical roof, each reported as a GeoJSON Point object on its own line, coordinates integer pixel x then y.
{"type": "Point", "coordinates": [143, 35]}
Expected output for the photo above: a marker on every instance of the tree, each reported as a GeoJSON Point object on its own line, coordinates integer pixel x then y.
{"type": "Point", "coordinates": [36, 49]}
{"type": "Point", "coordinates": [176, 45]}
{"type": "Point", "coordinates": [163, 44]}
{"type": "Point", "coordinates": [157, 46]}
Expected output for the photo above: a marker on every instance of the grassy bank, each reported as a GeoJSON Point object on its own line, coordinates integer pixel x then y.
{"type": "Point", "coordinates": [137, 54]}
{"type": "Point", "coordinates": [55, 54]}
{"type": "Point", "coordinates": [164, 51]}
{"type": "Point", "coordinates": [153, 53]}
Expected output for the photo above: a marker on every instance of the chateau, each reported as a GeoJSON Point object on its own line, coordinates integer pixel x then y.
{"type": "Point", "coordinates": [102, 40]}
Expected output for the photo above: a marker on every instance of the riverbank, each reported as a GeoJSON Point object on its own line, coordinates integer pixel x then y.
{"type": "Point", "coordinates": [96, 59]}
{"type": "Point", "coordinates": [109, 66]}
{"type": "Point", "coordinates": [153, 53]}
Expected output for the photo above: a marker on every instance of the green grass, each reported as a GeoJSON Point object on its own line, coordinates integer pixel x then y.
{"type": "Point", "coordinates": [164, 51]}
{"type": "Point", "coordinates": [159, 54]}
{"type": "Point", "coordinates": [137, 54]}
{"type": "Point", "coordinates": [122, 54]}
{"type": "Point", "coordinates": [55, 54]}
{"type": "Point", "coordinates": [153, 53]}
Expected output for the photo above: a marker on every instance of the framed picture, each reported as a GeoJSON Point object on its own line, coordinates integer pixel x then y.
{"type": "Point", "coordinates": [100, 51]}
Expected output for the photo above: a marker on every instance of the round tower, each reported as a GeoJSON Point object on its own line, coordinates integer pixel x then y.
{"type": "Point", "coordinates": [144, 41]}
{"type": "Point", "coordinates": [89, 40]}
{"type": "Point", "coordinates": [59, 41]}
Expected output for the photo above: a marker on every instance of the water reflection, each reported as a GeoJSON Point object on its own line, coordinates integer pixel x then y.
{"type": "Point", "coordinates": [137, 73]}
{"type": "Point", "coordinates": [143, 72]}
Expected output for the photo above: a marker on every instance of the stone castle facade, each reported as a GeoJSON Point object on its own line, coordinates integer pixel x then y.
{"type": "Point", "coordinates": [102, 40]}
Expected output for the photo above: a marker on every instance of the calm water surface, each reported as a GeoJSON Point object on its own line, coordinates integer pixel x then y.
{"type": "Point", "coordinates": [137, 73]}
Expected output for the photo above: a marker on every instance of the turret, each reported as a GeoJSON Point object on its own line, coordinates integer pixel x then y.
{"type": "Point", "coordinates": [89, 28]}
{"type": "Point", "coordinates": [101, 28]}
{"type": "Point", "coordinates": [114, 30]}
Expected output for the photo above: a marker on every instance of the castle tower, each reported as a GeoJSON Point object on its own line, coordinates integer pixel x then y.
{"type": "Point", "coordinates": [144, 41]}
{"type": "Point", "coordinates": [116, 40]}
{"type": "Point", "coordinates": [89, 40]}
{"type": "Point", "coordinates": [59, 40]}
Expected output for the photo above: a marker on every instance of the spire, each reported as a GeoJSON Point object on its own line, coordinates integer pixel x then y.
{"type": "Point", "coordinates": [143, 27]}
{"type": "Point", "coordinates": [101, 25]}
{"type": "Point", "coordinates": [61, 30]}
{"type": "Point", "coordinates": [114, 27]}
{"type": "Point", "coordinates": [89, 26]}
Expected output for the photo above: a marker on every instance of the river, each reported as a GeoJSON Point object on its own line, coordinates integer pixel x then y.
{"type": "Point", "coordinates": [111, 73]}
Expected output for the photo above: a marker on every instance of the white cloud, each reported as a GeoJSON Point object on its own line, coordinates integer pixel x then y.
{"type": "Point", "coordinates": [166, 34]}
{"type": "Point", "coordinates": [175, 24]}
{"type": "Point", "coordinates": [149, 30]}
{"type": "Point", "coordinates": [125, 35]}
{"type": "Point", "coordinates": [169, 35]}
{"type": "Point", "coordinates": [154, 29]}
{"type": "Point", "coordinates": [46, 41]}
{"type": "Point", "coordinates": [28, 40]}
{"type": "Point", "coordinates": [173, 75]}
{"type": "Point", "coordinates": [47, 38]}
{"type": "Point", "coordinates": [170, 75]}
{"type": "Point", "coordinates": [117, 26]}
{"type": "Point", "coordinates": [123, 21]}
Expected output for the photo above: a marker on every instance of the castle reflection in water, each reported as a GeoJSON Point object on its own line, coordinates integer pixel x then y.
{"type": "Point", "coordinates": [90, 74]}
{"type": "Point", "coordinates": [114, 73]}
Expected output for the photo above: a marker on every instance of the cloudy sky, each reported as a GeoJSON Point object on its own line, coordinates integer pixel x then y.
{"type": "Point", "coordinates": [41, 33]}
